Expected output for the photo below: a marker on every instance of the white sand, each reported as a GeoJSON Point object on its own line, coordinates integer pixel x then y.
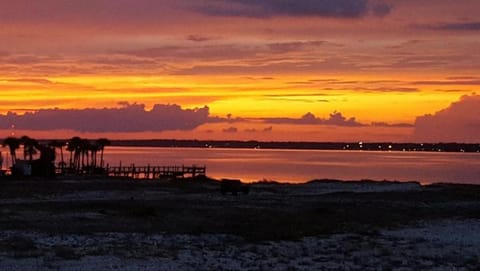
{"type": "Point", "coordinates": [444, 245]}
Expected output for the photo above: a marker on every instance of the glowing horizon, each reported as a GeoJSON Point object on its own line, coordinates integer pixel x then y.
{"type": "Point", "coordinates": [382, 64]}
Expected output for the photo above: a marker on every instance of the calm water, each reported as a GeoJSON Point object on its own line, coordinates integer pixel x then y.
{"type": "Point", "coordinates": [305, 165]}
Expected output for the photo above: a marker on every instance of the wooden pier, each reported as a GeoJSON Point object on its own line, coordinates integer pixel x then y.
{"type": "Point", "coordinates": [154, 172]}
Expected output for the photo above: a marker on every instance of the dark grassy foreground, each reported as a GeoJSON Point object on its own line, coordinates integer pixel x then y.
{"type": "Point", "coordinates": [269, 212]}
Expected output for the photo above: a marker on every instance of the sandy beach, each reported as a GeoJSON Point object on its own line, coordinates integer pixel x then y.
{"type": "Point", "coordinates": [95, 224]}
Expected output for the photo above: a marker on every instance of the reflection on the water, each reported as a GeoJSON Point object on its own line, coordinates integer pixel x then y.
{"type": "Point", "coordinates": [304, 165]}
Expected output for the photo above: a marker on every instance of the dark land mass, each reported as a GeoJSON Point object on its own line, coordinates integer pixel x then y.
{"type": "Point", "coordinates": [73, 223]}
{"type": "Point", "coordinates": [369, 146]}
{"type": "Point", "coordinates": [271, 211]}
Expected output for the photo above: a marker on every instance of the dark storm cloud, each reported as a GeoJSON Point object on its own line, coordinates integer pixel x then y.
{"type": "Point", "coordinates": [297, 8]}
{"type": "Point", "coordinates": [128, 118]}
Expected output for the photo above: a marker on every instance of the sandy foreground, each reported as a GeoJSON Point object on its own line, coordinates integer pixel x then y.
{"type": "Point", "coordinates": [93, 225]}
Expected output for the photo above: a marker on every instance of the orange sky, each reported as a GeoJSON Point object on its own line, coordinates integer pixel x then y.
{"type": "Point", "coordinates": [259, 67]}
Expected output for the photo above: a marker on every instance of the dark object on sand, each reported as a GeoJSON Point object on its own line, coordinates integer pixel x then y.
{"type": "Point", "coordinates": [233, 186]}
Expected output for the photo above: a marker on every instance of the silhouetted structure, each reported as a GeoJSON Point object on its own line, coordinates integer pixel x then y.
{"type": "Point", "coordinates": [155, 172]}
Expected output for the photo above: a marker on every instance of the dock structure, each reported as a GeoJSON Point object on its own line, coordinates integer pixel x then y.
{"type": "Point", "coordinates": [155, 172]}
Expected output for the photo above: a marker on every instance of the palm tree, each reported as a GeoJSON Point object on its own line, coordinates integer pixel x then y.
{"type": "Point", "coordinates": [84, 149]}
{"type": "Point", "coordinates": [30, 146]}
{"type": "Point", "coordinates": [73, 146]}
{"type": "Point", "coordinates": [59, 144]}
{"type": "Point", "coordinates": [94, 148]}
{"type": "Point", "coordinates": [101, 143]}
{"type": "Point", "coordinates": [13, 144]}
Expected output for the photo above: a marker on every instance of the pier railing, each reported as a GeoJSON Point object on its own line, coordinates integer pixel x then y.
{"type": "Point", "coordinates": [155, 172]}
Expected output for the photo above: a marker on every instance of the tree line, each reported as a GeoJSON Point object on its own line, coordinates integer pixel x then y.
{"type": "Point", "coordinates": [85, 155]}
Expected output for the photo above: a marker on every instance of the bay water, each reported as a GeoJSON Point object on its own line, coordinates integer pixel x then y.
{"type": "Point", "coordinates": [296, 166]}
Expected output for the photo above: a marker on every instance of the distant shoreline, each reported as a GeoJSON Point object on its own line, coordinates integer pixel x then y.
{"type": "Point", "coordinates": [368, 146]}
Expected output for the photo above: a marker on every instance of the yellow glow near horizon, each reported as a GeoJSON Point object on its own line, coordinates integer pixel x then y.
{"type": "Point", "coordinates": [241, 96]}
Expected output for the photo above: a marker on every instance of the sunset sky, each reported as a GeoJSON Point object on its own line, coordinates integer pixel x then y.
{"type": "Point", "coordinates": [310, 70]}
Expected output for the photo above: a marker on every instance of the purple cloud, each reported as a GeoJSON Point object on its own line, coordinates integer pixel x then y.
{"type": "Point", "coordinates": [335, 118]}
{"type": "Point", "coordinates": [128, 118]}
{"type": "Point", "coordinates": [297, 8]}
{"type": "Point", "coordinates": [460, 122]}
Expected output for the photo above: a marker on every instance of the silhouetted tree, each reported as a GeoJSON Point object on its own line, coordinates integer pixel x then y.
{"type": "Point", "coordinates": [93, 148]}
{"type": "Point", "coordinates": [102, 142]}
{"type": "Point", "coordinates": [74, 146]}
{"type": "Point", "coordinates": [30, 146]}
{"type": "Point", "coordinates": [59, 144]}
{"type": "Point", "coordinates": [13, 144]}
{"type": "Point", "coordinates": [84, 149]}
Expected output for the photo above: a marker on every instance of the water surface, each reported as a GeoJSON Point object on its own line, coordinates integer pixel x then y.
{"type": "Point", "coordinates": [305, 165]}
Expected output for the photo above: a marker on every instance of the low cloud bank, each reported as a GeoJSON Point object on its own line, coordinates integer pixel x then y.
{"type": "Point", "coordinates": [335, 118]}
{"type": "Point", "coordinates": [127, 118]}
{"type": "Point", "coordinates": [460, 122]}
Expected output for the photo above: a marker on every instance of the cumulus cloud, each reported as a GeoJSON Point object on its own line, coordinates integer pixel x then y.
{"type": "Point", "coordinates": [297, 8]}
{"type": "Point", "coordinates": [335, 118]}
{"type": "Point", "coordinates": [127, 118]}
{"type": "Point", "coordinates": [460, 122]}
